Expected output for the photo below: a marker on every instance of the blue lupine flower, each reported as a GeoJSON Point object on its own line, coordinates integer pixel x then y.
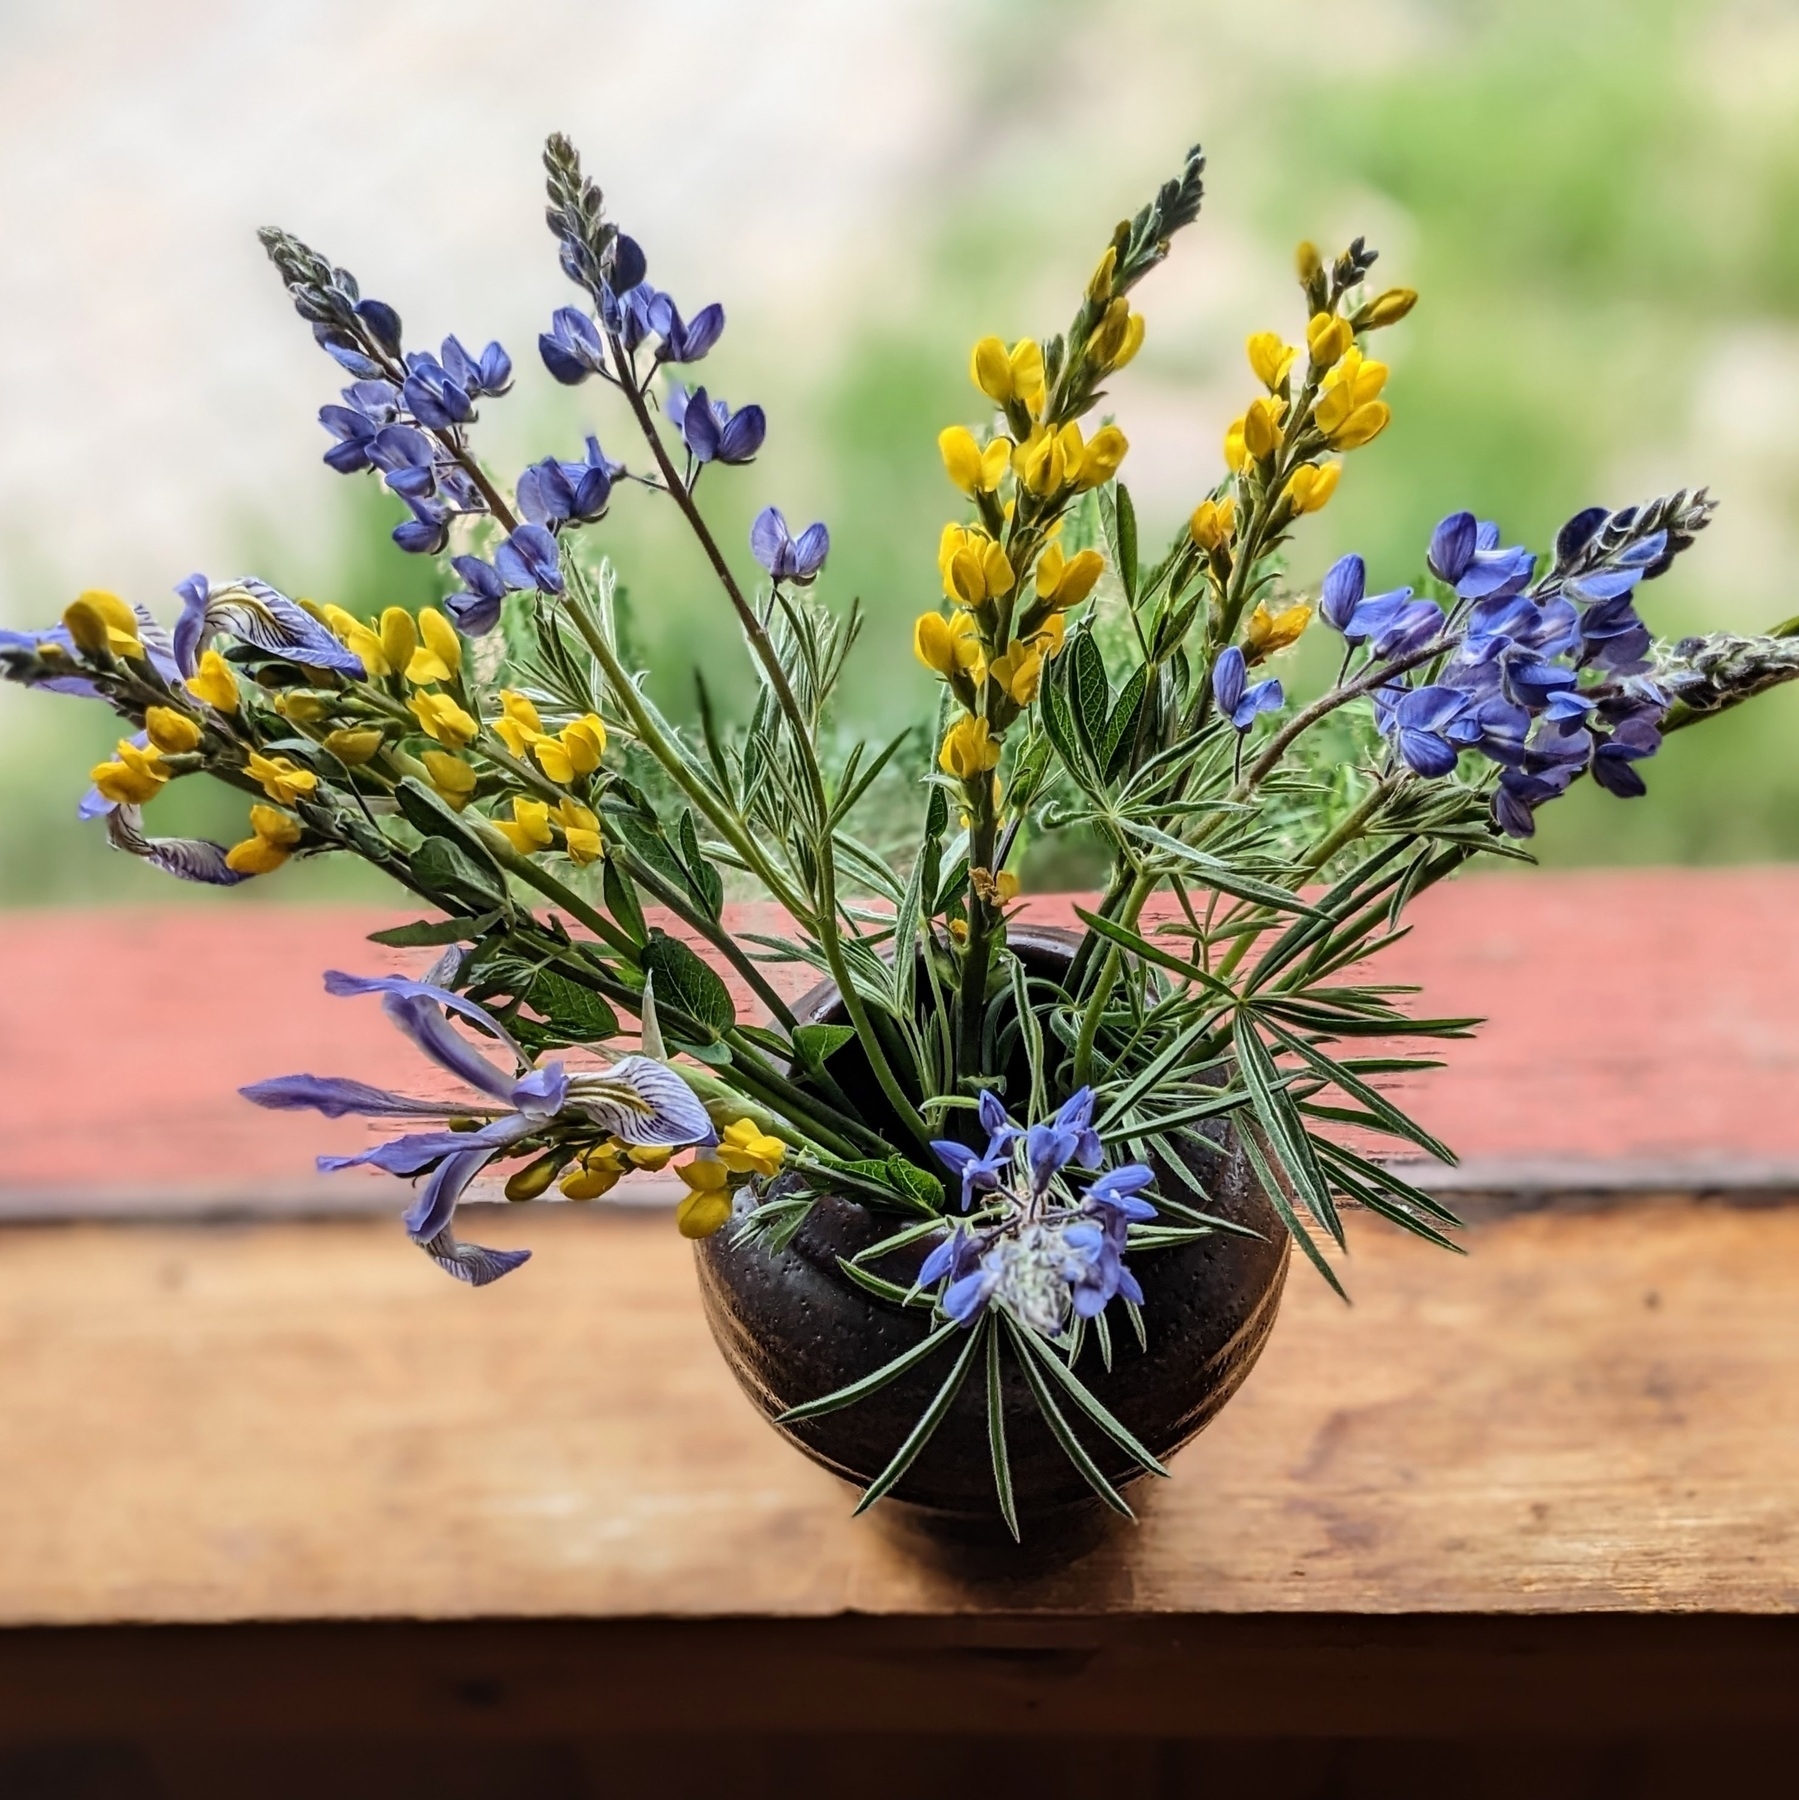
{"type": "Point", "coordinates": [1341, 592]}
{"type": "Point", "coordinates": [490, 373]}
{"type": "Point", "coordinates": [684, 342]}
{"type": "Point", "coordinates": [1236, 699]}
{"type": "Point", "coordinates": [1418, 722]}
{"type": "Point", "coordinates": [476, 610]}
{"type": "Point", "coordinates": [1470, 558]}
{"type": "Point", "coordinates": [637, 1100]}
{"type": "Point", "coordinates": [572, 348]}
{"type": "Point", "coordinates": [383, 323]}
{"type": "Point", "coordinates": [711, 431]}
{"type": "Point", "coordinates": [1452, 547]}
{"type": "Point", "coordinates": [427, 532]}
{"type": "Point", "coordinates": [554, 494]}
{"type": "Point", "coordinates": [784, 556]}
{"type": "Point", "coordinates": [530, 559]}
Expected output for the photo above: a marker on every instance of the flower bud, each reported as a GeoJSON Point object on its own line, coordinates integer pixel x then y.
{"type": "Point", "coordinates": [171, 731]}
{"type": "Point", "coordinates": [1386, 309]}
{"type": "Point", "coordinates": [354, 745]}
{"type": "Point", "coordinates": [1310, 486]}
{"type": "Point", "coordinates": [1212, 523]}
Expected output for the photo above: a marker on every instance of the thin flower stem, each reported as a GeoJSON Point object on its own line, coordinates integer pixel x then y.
{"type": "Point", "coordinates": [829, 938]}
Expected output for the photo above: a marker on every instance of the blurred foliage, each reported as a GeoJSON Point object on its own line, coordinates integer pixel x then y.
{"type": "Point", "coordinates": [1595, 203]}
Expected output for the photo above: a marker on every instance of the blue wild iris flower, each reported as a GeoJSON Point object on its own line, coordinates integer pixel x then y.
{"type": "Point", "coordinates": [1035, 1247]}
{"type": "Point", "coordinates": [637, 1100]}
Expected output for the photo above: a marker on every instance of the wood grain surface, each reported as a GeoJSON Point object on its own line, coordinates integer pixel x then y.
{"type": "Point", "coordinates": [306, 1421]}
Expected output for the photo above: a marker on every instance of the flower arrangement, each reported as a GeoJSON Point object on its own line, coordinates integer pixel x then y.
{"type": "Point", "coordinates": [1021, 1131]}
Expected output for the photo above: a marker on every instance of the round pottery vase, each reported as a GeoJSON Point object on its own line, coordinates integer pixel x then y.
{"type": "Point", "coordinates": [792, 1326]}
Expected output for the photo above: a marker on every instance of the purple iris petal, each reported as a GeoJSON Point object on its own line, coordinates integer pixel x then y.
{"type": "Point", "coordinates": [406, 987]}
{"type": "Point", "coordinates": [336, 1096]}
{"type": "Point", "coordinates": [473, 1263]}
{"type": "Point", "coordinates": [542, 1092]}
{"type": "Point", "coordinates": [256, 614]}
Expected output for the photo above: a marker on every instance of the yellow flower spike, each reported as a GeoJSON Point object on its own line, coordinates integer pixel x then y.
{"type": "Point", "coordinates": [399, 637]}
{"type": "Point", "coordinates": [354, 745]}
{"type": "Point", "coordinates": [1363, 425]}
{"type": "Point", "coordinates": [1007, 887]}
{"type": "Point", "coordinates": [214, 683]}
{"type": "Point", "coordinates": [133, 777]}
{"type": "Point", "coordinates": [1387, 308]}
{"type": "Point", "coordinates": [440, 717]}
{"type": "Point", "coordinates": [1099, 462]}
{"type": "Point", "coordinates": [650, 1156]}
{"type": "Point", "coordinates": [1212, 523]}
{"type": "Point", "coordinates": [1310, 486]}
{"type": "Point", "coordinates": [707, 1205]}
{"type": "Point", "coordinates": [440, 656]}
{"type": "Point", "coordinates": [1099, 285]}
{"type": "Point", "coordinates": [969, 749]}
{"type": "Point", "coordinates": [1019, 671]}
{"type": "Point", "coordinates": [580, 830]}
{"type": "Point", "coordinates": [282, 779]}
{"type": "Point", "coordinates": [1270, 356]}
{"type": "Point", "coordinates": [746, 1149]}
{"type": "Point", "coordinates": [1269, 631]}
{"type": "Point", "coordinates": [1262, 428]}
{"type": "Point", "coordinates": [529, 827]}
{"type": "Point", "coordinates": [170, 730]}
{"type": "Point", "coordinates": [1328, 338]}
{"type": "Point", "coordinates": [451, 777]}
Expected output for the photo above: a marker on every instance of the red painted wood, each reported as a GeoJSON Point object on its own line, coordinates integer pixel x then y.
{"type": "Point", "coordinates": [1634, 1015]}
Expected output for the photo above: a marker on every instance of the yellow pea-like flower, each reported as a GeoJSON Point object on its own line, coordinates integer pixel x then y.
{"type": "Point", "coordinates": [302, 708]}
{"type": "Point", "coordinates": [969, 749]}
{"type": "Point", "coordinates": [282, 779]}
{"type": "Point", "coordinates": [1387, 308]}
{"type": "Point", "coordinates": [1269, 631]}
{"type": "Point", "coordinates": [518, 725]}
{"type": "Point", "coordinates": [1019, 671]}
{"type": "Point", "coordinates": [746, 1149]}
{"type": "Point", "coordinates": [133, 777]}
{"type": "Point", "coordinates": [534, 1179]}
{"type": "Point", "coordinates": [947, 645]}
{"type": "Point", "coordinates": [273, 837]}
{"type": "Point", "coordinates": [1099, 284]}
{"type": "Point", "coordinates": [440, 717]}
{"type": "Point", "coordinates": [1116, 338]}
{"type": "Point", "coordinates": [1066, 581]}
{"type": "Point", "coordinates": [99, 621]}
{"type": "Point", "coordinates": [354, 745]}
{"type": "Point", "coordinates": [529, 827]}
{"type": "Point", "coordinates": [1007, 887]}
{"type": "Point", "coordinates": [1008, 376]}
{"type": "Point", "coordinates": [1310, 486]}
{"type": "Point", "coordinates": [360, 641]}
{"type": "Point", "coordinates": [581, 832]}
{"type": "Point", "coordinates": [399, 636]}
{"type": "Point", "coordinates": [978, 572]}
{"type": "Point", "coordinates": [599, 1172]}
{"type": "Point", "coordinates": [170, 731]}
{"type": "Point", "coordinates": [440, 655]}
{"type": "Point", "coordinates": [1270, 356]}
{"type": "Point", "coordinates": [1048, 636]}
{"type": "Point", "coordinates": [1236, 456]}
{"type": "Point", "coordinates": [1307, 263]}
{"type": "Point", "coordinates": [1328, 338]}
{"type": "Point", "coordinates": [973, 468]}
{"type": "Point", "coordinates": [1212, 523]}
{"type": "Point", "coordinates": [1362, 426]}
{"type": "Point", "coordinates": [451, 777]}
{"type": "Point", "coordinates": [1100, 460]}
{"type": "Point", "coordinates": [575, 750]}
{"type": "Point", "coordinates": [1351, 388]}
{"type": "Point", "coordinates": [214, 683]}
{"type": "Point", "coordinates": [707, 1204]}
{"type": "Point", "coordinates": [1262, 427]}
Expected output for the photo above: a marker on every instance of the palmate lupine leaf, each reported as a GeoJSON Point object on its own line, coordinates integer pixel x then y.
{"type": "Point", "coordinates": [1277, 1198]}
{"type": "Point", "coordinates": [1283, 1126]}
{"type": "Point", "coordinates": [1138, 945]}
{"type": "Point", "coordinates": [1083, 1397]}
{"type": "Point", "coordinates": [1349, 1165]}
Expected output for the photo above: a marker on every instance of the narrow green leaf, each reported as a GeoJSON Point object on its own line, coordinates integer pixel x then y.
{"type": "Point", "coordinates": [1084, 1398]}
{"type": "Point", "coordinates": [1392, 1119]}
{"type": "Point", "coordinates": [436, 931]}
{"type": "Point", "coordinates": [1127, 939]}
{"type": "Point", "coordinates": [922, 1432]}
{"type": "Point", "coordinates": [873, 1383]}
{"type": "Point", "coordinates": [1278, 1200]}
{"type": "Point", "coordinates": [1125, 546]}
{"type": "Point", "coordinates": [1286, 1130]}
{"type": "Point", "coordinates": [996, 1431]}
{"type": "Point", "coordinates": [1072, 1446]}
{"type": "Point", "coordinates": [1213, 871]}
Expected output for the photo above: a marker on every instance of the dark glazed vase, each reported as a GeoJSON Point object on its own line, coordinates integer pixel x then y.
{"type": "Point", "coordinates": [792, 1326]}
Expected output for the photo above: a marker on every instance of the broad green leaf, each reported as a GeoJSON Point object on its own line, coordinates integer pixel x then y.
{"type": "Point", "coordinates": [442, 866]}
{"type": "Point", "coordinates": [685, 983]}
{"type": "Point", "coordinates": [436, 931]}
{"type": "Point", "coordinates": [815, 1043]}
{"type": "Point", "coordinates": [574, 1013]}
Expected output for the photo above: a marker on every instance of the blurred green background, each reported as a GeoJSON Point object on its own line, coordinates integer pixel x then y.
{"type": "Point", "coordinates": [1598, 202]}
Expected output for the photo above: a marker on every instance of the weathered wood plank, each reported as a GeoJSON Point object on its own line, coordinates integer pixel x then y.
{"type": "Point", "coordinates": [306, 1421]}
